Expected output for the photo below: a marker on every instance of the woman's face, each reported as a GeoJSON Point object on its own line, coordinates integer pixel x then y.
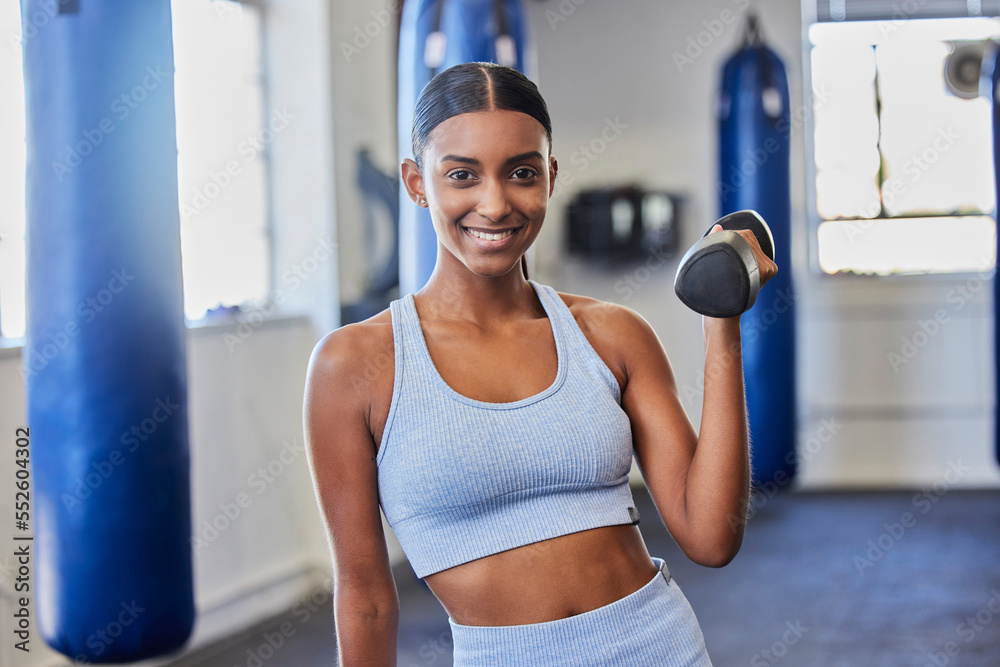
{"type": "Point", "coordinates": [487, 178]}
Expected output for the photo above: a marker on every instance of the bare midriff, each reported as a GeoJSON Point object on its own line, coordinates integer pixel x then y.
{"type": "Point", "coordinates": [548, 580]}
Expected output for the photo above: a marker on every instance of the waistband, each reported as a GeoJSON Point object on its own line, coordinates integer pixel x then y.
{"type": "Point", "coordinates": [652, 626]}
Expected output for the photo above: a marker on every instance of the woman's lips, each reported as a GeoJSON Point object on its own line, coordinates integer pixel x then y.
{"type": "Point", "coordinates": [491, 239]}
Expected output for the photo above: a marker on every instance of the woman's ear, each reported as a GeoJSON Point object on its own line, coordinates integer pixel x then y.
{"type": "Point", "coordinates": [553, 170]}
{"type": "Point", "coordinates": [413, 181]}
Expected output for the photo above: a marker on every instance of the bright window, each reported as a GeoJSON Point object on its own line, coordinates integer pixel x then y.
{"type": "Point", "coordinates": [223, 138]}
{"type": "Point", "coordinates": [904, 168]}
{"type": "Point", "coordinates": [223, 135]}
{"type": "Point", "coordinates": [12, 164]}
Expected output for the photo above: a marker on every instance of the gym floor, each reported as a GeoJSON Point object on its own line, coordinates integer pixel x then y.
{"type": "Point", "coordinates": [829, 579]}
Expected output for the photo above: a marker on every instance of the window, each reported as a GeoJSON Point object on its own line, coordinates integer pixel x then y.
{"type": "Point", "coordinates": [223, 136]}
{"type": "Point", "coordinates": [903, 166]}
{"type": "Point", "coordinates": [12, 164]}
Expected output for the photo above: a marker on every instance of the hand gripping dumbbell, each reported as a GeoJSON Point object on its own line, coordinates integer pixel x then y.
{"type": "Point", "coordinates": [718, 276]}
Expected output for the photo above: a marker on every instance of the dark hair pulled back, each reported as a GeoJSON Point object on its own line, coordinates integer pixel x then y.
{"type": "Point", "coordinates": [472, 87]}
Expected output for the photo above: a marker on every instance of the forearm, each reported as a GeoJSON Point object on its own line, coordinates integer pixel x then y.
{"type": "Point", "coordinates": [367, 630]}
{"type": "Point", "coordinates": [718, 480]}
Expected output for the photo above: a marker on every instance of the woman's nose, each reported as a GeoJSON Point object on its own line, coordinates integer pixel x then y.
{"type": "Point", "coordinates": [493, 204]}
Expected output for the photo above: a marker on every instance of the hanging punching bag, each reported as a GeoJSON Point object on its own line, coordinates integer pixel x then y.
{"type": "Point", "coordinates": [104, 361]}
{"type": "Point", "coordinates": [754, 133]}
{"type": "Point", "coordinates": [436, 35]}
{"type": "Point", "coordinates": [992, 71]}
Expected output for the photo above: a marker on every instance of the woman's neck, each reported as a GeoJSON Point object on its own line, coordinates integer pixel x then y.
{"type": "Point", "coordinates": [486, 301]}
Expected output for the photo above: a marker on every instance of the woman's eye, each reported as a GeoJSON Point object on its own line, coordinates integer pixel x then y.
{"type": "Point", "coordinates": [524, 172]}
{"type": "Point", "coordinates": [461, 175]}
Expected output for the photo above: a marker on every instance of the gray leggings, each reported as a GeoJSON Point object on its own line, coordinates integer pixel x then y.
{"type": "Point", "coordinates": [654, 626]}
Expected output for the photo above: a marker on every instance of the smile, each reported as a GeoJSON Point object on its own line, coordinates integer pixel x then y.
{"type": "Point", "coordinates": [489, 236]}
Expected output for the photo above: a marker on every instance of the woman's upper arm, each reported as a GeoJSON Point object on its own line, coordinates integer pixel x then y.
{"type": "Point", "coordinates": [341, 454]}
{"type": "Point", "coordinates": [662, 435]}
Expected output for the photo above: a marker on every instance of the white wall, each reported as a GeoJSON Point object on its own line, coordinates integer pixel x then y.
{"type": "Point", "coordinates": [363, 71]}
{"type": "Point", "coordinates": [303, 168]}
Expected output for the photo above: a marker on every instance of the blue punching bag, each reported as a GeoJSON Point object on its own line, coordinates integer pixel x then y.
{"type": "Point", "coordinates": [754, 133]}
{"type": "Point", "coordinates": [104, 362]}
{"type": "Point", "coordinates": [436, 35]}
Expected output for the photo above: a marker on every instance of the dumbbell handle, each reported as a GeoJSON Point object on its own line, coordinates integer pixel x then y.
{"type": "Point", "coordinates": [748, 219]}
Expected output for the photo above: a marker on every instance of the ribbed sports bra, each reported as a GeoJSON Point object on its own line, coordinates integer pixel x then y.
{"type": "Point", "coordinates": [460, 479]}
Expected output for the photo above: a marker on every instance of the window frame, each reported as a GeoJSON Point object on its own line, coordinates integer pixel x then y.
{"type": "Point", "coordinates": [813, 217]}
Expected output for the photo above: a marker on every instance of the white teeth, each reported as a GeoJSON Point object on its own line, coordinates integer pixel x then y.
{"type": "Point", "coordinates": [491, 237]}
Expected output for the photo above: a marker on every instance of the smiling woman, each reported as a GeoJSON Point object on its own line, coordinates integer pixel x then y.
{"type": "Point", "coordinates": [467, 91]}
{"type": "Point", "coordinates": [498, 442]}
{"type": "Point", "coordinates": [486, 177]}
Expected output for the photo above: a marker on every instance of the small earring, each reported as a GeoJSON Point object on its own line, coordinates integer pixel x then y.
{"type": "Point", "coordinates": [422, 202]}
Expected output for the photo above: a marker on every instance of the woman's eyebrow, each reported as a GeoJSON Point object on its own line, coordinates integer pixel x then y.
{"type": "Point", "coordinates": [525, 156]}
{"type": "Point", "coordinates": [458, 158]}
{"type": "Point", "coordinates": [451, 157]}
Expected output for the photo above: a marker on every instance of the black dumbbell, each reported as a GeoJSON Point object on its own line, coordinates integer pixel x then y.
{"type": "Point", "coordinates": [718, 276]}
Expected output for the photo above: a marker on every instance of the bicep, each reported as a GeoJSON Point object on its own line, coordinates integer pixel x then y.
{"type": "Point", "coordinates": [341, 454]}
{"type": "Point", "coordinates": [662, 435]}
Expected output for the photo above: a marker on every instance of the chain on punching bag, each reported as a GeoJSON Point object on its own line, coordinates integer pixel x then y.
{"type": "Point", "coordinates": [104, 362]}
{"type": "Point", "coordinates": [754, 137]}
{"type": "Point", "coordinates": [436, 35]}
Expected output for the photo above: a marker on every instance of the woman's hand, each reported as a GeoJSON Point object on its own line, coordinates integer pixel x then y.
{"type": "Point", "coordinates": [766, 268]}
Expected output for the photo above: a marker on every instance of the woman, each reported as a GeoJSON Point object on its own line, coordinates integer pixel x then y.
{"type": "Point", "coordinates": [495, 421]}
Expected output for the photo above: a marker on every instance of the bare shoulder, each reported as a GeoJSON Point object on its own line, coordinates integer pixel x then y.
{"type": "Point", "coordinates": [354, 349]}
{"type": "Point", "coordinates": [353, 367]}
{"type": "Point", "coordinates": [617, 333]}
{"type": "Point", "coordinates": [604, 319]}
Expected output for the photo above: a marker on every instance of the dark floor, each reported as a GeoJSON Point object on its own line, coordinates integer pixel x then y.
{"type": "Point", "coordinates": [822, 580]}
